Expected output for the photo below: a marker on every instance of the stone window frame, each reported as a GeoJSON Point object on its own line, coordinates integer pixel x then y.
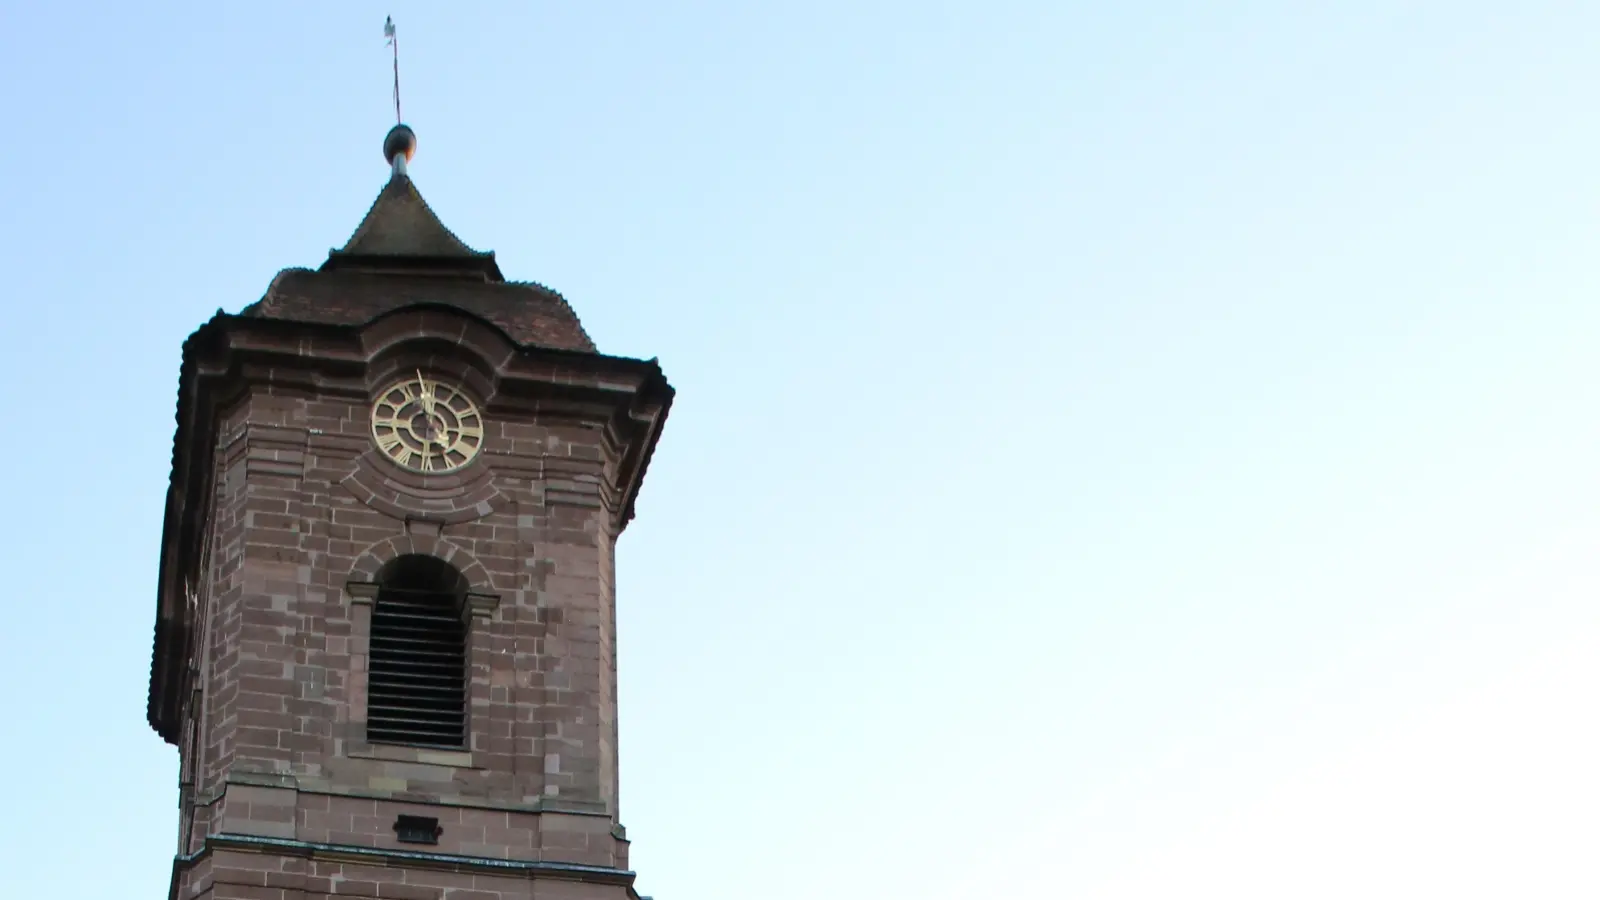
{"type": "Point", "coordinates": [479, 606]}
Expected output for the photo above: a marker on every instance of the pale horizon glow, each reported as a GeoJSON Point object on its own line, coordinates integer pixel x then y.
{"type": "Point", "coordinates": [1122, 452]}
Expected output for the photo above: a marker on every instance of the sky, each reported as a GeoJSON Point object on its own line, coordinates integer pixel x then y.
{"type": "Point", "coordinates": [1122, 451]}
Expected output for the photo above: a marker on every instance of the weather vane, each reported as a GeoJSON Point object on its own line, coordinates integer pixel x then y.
{"type": "Point", "coordinates": [401, 142]}
{"type": "Point", "coordinates": [394, 44]}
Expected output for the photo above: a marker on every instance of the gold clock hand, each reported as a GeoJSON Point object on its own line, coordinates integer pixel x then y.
{"type": "Point", "coordinates": [427, 395]}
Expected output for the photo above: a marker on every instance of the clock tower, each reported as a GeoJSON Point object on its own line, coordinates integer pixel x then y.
{"type": "Point", "coordinates": [385, 625]}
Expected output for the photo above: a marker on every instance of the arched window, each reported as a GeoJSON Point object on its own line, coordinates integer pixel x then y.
{"type": "Point", "coordinates": [417, 659]}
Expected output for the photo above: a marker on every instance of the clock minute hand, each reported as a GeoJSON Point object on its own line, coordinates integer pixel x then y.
{"type": "Point", "coordinates": [427, 395]}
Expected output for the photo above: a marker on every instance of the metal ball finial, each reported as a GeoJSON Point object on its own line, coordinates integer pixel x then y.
{"type": "Point", "coordinates": [399, 143]}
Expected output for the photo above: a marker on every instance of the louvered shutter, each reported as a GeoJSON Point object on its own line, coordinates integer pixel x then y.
{"type": "Point", "coordinates": [416, 681]}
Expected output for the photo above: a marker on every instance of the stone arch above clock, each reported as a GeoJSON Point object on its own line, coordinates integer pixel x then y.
{"type": "Point", "coordinates": [454, 348]}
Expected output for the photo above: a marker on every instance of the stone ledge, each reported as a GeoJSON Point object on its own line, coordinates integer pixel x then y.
{"type": "Point", "coordinates": [402, 859]}
{"type": "Point", "coordinates": [454, 759]}
{"type": "Point", "coordinates": [311, 784]}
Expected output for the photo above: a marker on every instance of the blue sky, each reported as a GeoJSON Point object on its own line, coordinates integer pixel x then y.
{"type": "Point", "coordinates": [1122, 451]}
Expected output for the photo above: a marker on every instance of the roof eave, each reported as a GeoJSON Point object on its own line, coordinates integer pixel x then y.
{"type": "Point", "coordinates": [478, 265]}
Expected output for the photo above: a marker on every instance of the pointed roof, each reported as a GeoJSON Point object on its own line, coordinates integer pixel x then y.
{"type": "Point", "coordinates": [402, 255]}
{"type": "Point", "coordinates": [401, 231]}
{"type": "Point", "coordinates": [400, 223]}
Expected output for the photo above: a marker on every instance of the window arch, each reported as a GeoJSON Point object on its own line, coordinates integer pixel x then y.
{"type": "Point", "coordinates": [417, 656]}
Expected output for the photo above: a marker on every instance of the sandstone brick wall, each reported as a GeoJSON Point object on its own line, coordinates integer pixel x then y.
{"type": "Point", "coordinates": [303, 513]}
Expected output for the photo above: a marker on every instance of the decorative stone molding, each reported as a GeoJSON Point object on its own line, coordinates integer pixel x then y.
{"type": "Point", "coordinates": [451, 499]}
{"type": "Point", "coordinates": [371, 561]}
{"type": "Point", "coordinates": [480, 605]}
{"type": "Point", "coordinates": [361, 592]}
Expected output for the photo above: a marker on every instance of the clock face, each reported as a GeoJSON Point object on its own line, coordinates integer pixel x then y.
{"type": "Point", "coordinates": [426, 425]}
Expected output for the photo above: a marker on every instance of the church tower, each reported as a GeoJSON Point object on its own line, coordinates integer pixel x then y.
{"type": "Point", "coordinates": [385, 626]}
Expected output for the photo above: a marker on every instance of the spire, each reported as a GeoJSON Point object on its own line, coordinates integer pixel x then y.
{"type": "Point", "coordinates": [400, 233]}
